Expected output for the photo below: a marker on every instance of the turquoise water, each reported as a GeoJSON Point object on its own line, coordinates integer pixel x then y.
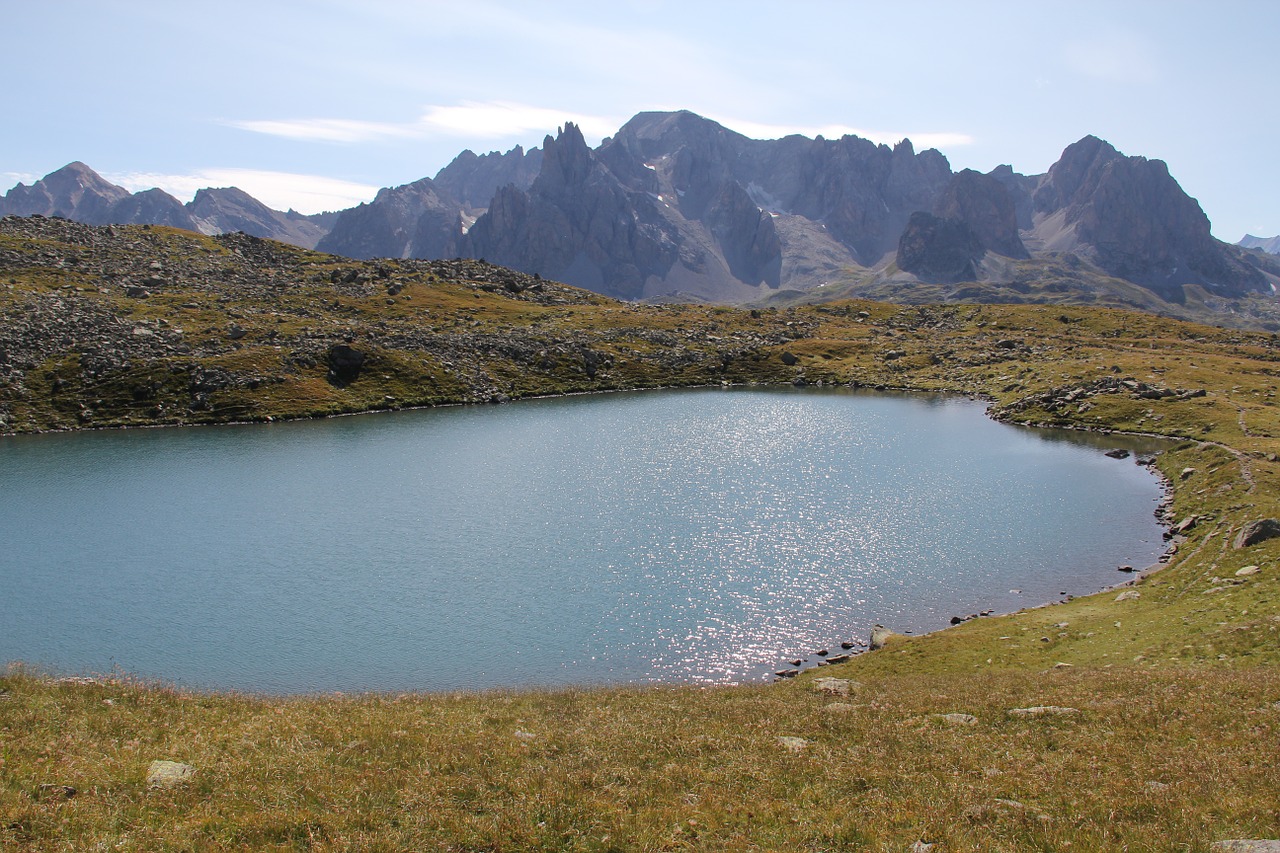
{"type": "Point", "coordinates": [695, 535]}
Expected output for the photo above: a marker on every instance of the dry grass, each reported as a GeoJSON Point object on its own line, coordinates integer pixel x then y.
{"type": "Point", "coordinates": [1161, 760]}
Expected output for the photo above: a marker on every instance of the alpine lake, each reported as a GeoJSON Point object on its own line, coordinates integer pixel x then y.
{"type": "Point", "coordinates": [699, 535]}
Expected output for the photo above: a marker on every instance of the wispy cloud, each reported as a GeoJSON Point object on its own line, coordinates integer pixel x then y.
{"type": "Point", "coordinates": [505, 120]}
{"type": "Point", "coordinates": [471, 119]}
{"type": "Point", "coordinates": [10, 179]}
{"type": "Point", "coordinates": [278, 190]}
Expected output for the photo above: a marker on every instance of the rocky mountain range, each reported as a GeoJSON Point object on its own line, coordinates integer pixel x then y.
{"type": "Point", "coordinates": [78, 192]}
{"type": "Point", "coordinates": [675, 207]}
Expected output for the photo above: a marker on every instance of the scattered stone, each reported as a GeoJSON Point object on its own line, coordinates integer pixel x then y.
{"type": "Point", "coordinates": [839, 658]}
{"type": "Point", "coordinates": [1246, 571]}
{"type": "Point", "coordinates": [1043, 711]}
{"type": "Point", "coordinates": [787, 673]}
{"type": "Point", "coordinates": [1186, 473]}
{"type": "Point", "coordinates": [957, 719]}
{"type": "Point", "coordinates": [922, 847]}
{"type": "Point", "coordinates": [835, 686]}
{"type": "Point", "coordinates": [1129, 595]}
{"type": "Point", "coordinates": [793, 744]}
{"type": "Point", "coordinates": [839, 708]}
{"type": "Point", "coordinates": [52, 792]}
{"type": "Point", "coordinates": [169, 774]}
{"type": "Point", "coordinates": [1240, 845]}
{"type": "Point", "coordinates": [523, 735]}
{"type": "Point", "coordinates": [1187, 524]}
{"type": "Point", "coordinates": [1062, 665]}
{"type": "Point", "coordinates": [879, 636]}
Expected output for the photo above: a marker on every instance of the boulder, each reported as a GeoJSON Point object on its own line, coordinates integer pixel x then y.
{"type": "Point", "coordinates": [345, 363]}
{"type": "Point", "coordinates": [879, 637]}
{"type": "Point", "coordinates": [1257, 531]}
{"type": "Point", "coordinates": [169, 774]}
{"type": "Point", "coordinates": [793, 744]}
{"type": "Point", "coordinates": [834, 686]}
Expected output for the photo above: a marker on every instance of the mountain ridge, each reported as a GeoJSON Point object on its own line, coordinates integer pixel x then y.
{"type": "Point", "coordinates": [676, 207]}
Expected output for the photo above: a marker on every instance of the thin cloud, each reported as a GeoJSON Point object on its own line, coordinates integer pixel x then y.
{"type": "Point", "coordinates": [475, 120]}
{"type": "Point", "coordinates": [15, 178]}
{"type": "Point", "coordinates": [277, 190]}
{"type": "Point", "coordinates": [507, 120]}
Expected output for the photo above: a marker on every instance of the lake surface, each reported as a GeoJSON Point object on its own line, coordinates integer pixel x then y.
{"type": "Point", "coordinates": [694, 535]}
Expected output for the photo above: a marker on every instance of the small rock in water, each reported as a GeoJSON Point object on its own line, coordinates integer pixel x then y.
{"type": "Point", "coordinates": [787, 673]}
{"type": "Point", "coordinates": [846, 645]}
{"type": "Point", "coordinates": [838, 658]}
{"type": "Point", "coordinates": [1124, 568]}
{"type": "Point", "coordinates": [1118, 453]}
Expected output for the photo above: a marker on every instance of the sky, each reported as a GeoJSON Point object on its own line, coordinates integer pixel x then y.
{"type": "Point", "coordinates": [315, 105]}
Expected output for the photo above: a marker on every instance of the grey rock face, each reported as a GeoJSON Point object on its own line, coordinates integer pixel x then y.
{"type": "Point", "coordinates": [938, 249]}
{"type": "Point", "coordinates": [986, 206]}
{"type": "Point", "coordinates": [416, 220]}
{"type": "Point", "coordinates": [1130, 217]}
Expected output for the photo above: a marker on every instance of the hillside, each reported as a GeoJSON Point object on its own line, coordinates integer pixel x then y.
{"type": "Point", "coordinates": [1167, 692]}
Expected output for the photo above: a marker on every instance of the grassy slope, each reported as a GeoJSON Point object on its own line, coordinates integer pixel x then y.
{"type": "Point", "coordinates": [1177, 690]}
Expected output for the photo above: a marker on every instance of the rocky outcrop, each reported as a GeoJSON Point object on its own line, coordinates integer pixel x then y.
{"type": "Point", "coordinates": [229, 209]}
{"type": "Point", "coordinates": [986, 207]}
{"type": "Point", "coordinates": [938, 249]}
{"type": "Point", "coordinates": [578, 224]}
{"type": "Point", "coordinates": [417, 220]}
{"type": "Point", "coordinates": [473, 179]}
{"type": "Point", "coordinates": [1128, 216]}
